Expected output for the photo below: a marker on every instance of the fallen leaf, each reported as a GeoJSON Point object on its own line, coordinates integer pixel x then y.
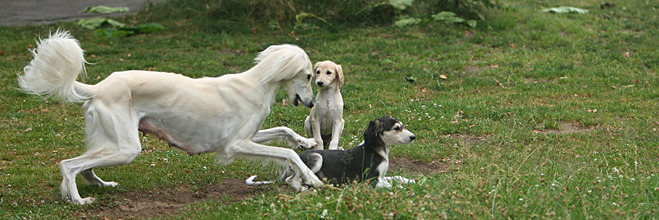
{"type": "Point", "coordinates": [443, 76]}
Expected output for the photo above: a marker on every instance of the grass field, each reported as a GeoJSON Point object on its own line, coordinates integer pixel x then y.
{"type": "Point", "coordinates": [540, 116]}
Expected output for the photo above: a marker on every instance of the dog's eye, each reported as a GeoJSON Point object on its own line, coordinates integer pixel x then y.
{"type": "Point", "coordinates": [397, 128]}
{"type": "Point", "coordinates": [308, 77]}
{"type": "Point", "coordinates": [329, 72]}
{"type": "Point", "coordinates": [317, 71]}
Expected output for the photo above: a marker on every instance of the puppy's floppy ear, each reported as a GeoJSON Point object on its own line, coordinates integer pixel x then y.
{"type": "Point", "coordinates": [339, 72]}
{"type": "Point", "coordinates": [373, 130]}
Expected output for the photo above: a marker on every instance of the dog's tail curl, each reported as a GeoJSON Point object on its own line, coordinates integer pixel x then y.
{"type": "Point", "coordinates": [58, 60]}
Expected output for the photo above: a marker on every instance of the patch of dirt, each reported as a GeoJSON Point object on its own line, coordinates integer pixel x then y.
{"type": "Point", "coordinates": [565, 128]}
{"type": "Point", "coordinates": [406, 165]}
{"type": "Point", "coordinates": [468, 139]}
{"type": "Point", "coordinates": [166, 202]}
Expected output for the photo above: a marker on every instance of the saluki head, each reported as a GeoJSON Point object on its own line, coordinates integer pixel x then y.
{"type": "Point", "coordinates": [328, 72]}
{"type": "Point", "coordinates": [387, 130]}
{"type": "Point", "coordinates": [290, 65]}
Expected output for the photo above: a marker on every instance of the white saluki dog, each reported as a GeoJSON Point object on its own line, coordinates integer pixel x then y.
{"type": "Point", "coordinates": [325, 121]}
{"type": "Point", "coordinates": [222, 114]}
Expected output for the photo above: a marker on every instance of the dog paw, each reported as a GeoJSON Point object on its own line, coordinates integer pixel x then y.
{"type": "Point", "coordinates": [102, 184]}
{"type": "Point", "coordinates": [109, 184]}
{"type": "Point", "coordinates": [84, 201]}
{"type": "Point", "coordinates": [314, 183]}
{"type": "Point", "coordinates": [306, 144]}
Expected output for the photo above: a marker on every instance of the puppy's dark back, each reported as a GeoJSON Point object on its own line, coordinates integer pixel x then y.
{"type": "Point", "coordinates": [341, 167]}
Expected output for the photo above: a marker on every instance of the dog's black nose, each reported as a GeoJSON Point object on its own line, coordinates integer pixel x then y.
{"type": "Point", "coordinates": [320, 83]}
{"type": "Point", "coordinates": [412, 137]}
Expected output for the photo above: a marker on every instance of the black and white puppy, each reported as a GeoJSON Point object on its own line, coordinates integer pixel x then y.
{"type": "Point", "coordinates": [367, 162]}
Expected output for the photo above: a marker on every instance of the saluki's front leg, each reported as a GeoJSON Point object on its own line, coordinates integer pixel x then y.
{"type": "Point", "coordinates": [336, 134]}
{"type": "Point", "coordinates": [251, 149]}
{"type": "Point", "coordinates": [285, 133]}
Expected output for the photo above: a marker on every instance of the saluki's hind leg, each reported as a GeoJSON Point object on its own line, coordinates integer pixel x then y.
{"type": "Point", "coordinates": [83, 164]}
{"type": "Point", "coordinates": [92, 180]}
{"type": "Point", "coordinates": [112, 140]}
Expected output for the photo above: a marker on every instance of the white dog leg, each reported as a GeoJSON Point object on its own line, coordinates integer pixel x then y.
{"type": "Point", "coordinates": [72, 167]}
{"type": "Point", "coordinates": [251, 149]}
{"type": "Point", "coordinates": [111, 142]}
{"type": "Point", "coordinates": [91, 179]}
{"type": "Point", "coordinates": [285, 133]}
{"type": "Point", "coordinates": [315, 128]}
{"type": "Point", "coordinates": [336, 134]}
{"type": "Point", "coordinates": [250, 181]}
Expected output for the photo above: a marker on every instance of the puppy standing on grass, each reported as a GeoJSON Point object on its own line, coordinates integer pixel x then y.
{"type": "Point", "coordinates": [368, 161]}
{"type": "Point", "coordinates": [325, 122]}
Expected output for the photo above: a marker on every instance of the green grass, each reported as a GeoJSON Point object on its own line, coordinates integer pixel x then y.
{"type": "Point", "coordinates": [513, 79]}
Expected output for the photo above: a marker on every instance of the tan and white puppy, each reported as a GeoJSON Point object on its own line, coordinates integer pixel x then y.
{"type": "Point", "coordinates": [325, 122]}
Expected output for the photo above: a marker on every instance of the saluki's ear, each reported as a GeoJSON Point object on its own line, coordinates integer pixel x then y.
{"type": "Point", "coordinates": [373, 130]}
{"type": "Point", "coordinates": [339, 72]}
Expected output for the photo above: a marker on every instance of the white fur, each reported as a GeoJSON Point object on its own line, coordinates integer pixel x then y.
{"type": "Point", "coordinates": [222, 114]}
{"type": "Point", "coordinates": [326, 117]}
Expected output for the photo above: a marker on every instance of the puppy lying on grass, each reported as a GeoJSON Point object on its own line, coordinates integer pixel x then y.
{"type": "Point", "coordinates": [367, 162]}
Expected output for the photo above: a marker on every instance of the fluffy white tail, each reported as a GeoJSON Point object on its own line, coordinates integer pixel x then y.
{"type": "Point", "coordinates": [58, 60]}
{"type": "Point", "coordinates": [250, 181]}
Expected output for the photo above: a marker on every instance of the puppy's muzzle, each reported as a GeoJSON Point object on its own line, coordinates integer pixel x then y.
{"type": "Point", "coordinates": [320, 83]}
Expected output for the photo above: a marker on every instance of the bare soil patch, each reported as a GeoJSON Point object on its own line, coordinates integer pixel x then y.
{"type": "Point", "coordinates": [166, 202]}
{"type": "Point", "coordinates": [565, 128]}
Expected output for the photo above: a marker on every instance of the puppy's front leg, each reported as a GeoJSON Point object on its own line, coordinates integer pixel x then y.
{"type": "Point", "coordinates": [315, 127]}
{"type": "Point", "coordinates": [336, 134]}
{"type": "Point", "coordinates": [383, 182]}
